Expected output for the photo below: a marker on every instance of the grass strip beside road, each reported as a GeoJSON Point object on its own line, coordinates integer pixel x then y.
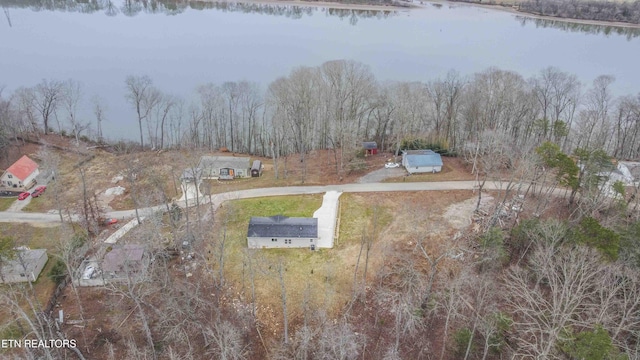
{"type": "Point", "coordinates": [6, 202]}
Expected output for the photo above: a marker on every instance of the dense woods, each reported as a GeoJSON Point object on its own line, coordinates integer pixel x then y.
{"type": "Point", "coordinates": [339, 104]}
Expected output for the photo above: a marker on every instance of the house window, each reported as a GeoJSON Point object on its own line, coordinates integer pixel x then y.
{"type": "Point", "coordinates": [10, 176]}
{"type": "Point", "coordinates": [224, 171]}
{"type": "Point", "coordinates": [310, 240]}
{"type": "Point", "coordinates": [287, 241]}
{"type": "Point", "coordinates": [274, 239]}
{"type": "Point", "coordinates": [10, 183]}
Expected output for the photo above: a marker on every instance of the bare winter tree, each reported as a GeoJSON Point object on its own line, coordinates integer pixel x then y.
{"type": "Point", "coordinates": [70, 99]}
{"type": "Point", "coordinates": [594, 126]}
{"type": "Point", "coordinates": [46, 98]}
{"type": "Point", "coordinates": [555, 293]}
{"type": "Point", "coordinates": [142, 96]}
{"type": "Point", "coordinates": [338, 342]}
{"type": "Point", "coordinates": [226, 341]}
{"type": "Point", "coordinates": [296, 102]}
{"type": "Point", "coordinates": [99, 109]}
{"type": "Point", "coordinates": [25, 109]}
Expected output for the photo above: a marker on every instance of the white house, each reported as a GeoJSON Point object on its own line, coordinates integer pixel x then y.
{"type": "Point", "coordinates": [224, 167]}
{"type": "Point", "coordinates": [282, 232]}
{"type": "Point", "coordinates": [421, 161]}
{"type": "Point", "coordinates": [21, 175]}
{"type": "Point", "coordinates": [25, 266]}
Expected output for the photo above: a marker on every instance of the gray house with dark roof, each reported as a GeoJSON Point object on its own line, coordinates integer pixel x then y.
{"type": "Point", "coordinates": [25, 266]}
{"type": "Point", "coordinates": [282, 232]}
{"type": "Point", "coordinates": [421, 161]}
{"type": "Point", "coordinates": [224, 167]}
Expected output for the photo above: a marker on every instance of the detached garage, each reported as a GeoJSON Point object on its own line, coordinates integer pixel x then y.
{"type": "Point", "coordinates": [421, 161]}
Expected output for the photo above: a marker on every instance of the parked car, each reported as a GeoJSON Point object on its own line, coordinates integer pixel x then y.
{"type": "Point", "coordinates": [88, 272]}
{"type": "Point", "coordinates": [24, 195]}
{"type": "Point", "coordinates": [111, 221]}
{"type": "Point", "coordinates": [391, 165]}
{"type": "Point", "coordinates": [38, 191]}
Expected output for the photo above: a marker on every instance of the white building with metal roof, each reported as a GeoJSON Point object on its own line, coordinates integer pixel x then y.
{"type": "Point", "coordinates": [421, 161]}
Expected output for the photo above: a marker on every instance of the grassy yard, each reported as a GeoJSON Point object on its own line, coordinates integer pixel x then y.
{"type": "Point", "coordinates": [43, 203]}
{"type": "Point", "coordinates": [322, 279]}
{"type": "Point", "coordinates": [5, 203]}
{"type": "Point", "coordinates": [34, 238]}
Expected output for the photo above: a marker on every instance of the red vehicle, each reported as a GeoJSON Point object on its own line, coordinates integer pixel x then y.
{"type": "Point", "coordinates": [111, 221]}
{"type": "Point", "coordinates": [23, 195]}
{"type": "Point", "coordinates": [38, 191]}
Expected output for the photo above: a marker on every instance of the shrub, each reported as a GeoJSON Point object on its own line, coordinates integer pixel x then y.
{"type": "Point", "coordinates": [461, 339]}
{"type": "Point", "coordinates": [58, 272]}
{"type": "Point", "coordinates": [590, 232]}
{"type": "Point", "coordinates": [590, 345]}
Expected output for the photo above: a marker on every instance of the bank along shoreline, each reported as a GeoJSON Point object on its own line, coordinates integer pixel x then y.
{"type": "Point", "coordinates": [512, 10]}
{"type": "Point", "coordinates": [396, 6]}
{"type": "Point", "coordinates": [406, 6]}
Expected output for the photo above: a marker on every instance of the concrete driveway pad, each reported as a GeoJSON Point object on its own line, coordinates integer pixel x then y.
{"type": "Point", "coordinates": [326, 215]}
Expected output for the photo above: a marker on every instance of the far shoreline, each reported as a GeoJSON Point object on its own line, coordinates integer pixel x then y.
{"type": "Point", "coordinates": [411, 6]}
{"type": "Point", "coordinates": [326, 4]}
{"type": "Point", "coordinates": [512, 10]}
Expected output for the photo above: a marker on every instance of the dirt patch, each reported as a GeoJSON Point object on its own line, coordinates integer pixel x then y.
{"type": "Point", "coordinates": [458, 215]}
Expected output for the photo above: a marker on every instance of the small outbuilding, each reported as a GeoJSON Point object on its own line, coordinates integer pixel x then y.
{"type": "Point", "coordinates": [421, 161]}
{"type": "Point", "coordinates": [21, 175]}
{"type": "Point", "coordinates": [370, 148]}
{"type": "Point", "coordinates": [256, 168]}
{"type": "Point", "coordinates": [282, 232]}
{"type": "Point", "coordinates": [224, 167]}
{"type": "Point", "coordinates": [25, 266]}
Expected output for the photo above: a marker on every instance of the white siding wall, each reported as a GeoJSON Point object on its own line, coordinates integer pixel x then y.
{"type": "Point", "coordinates": [268, 243]}
{"type": "Point", "coordinates": [424, 169]}
{"type": "Point", "coordinates": [4, 181]}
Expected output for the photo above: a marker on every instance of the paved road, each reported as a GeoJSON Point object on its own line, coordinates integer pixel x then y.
{"type": "Point", "coordinates": [218, 199]}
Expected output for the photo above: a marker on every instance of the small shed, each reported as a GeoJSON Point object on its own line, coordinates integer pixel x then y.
{"type": "Point", "coordinates": [421, 161]}
{"type": "Point", "coordinates": [370, 147]}
{"type": "Point", "coordinates": [256, 168]}
{"type": "Point", "coordinates": [282, 232]}
{"type": "Point", "coordinates": [25, 266]}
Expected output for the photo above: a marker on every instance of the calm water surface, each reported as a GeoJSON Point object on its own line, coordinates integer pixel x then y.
{"type": "Point", "coordinates": [185, 46]}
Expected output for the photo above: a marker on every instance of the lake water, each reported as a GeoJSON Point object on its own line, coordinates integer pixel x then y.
{"type": "Point", "coordinates": [186, 46]}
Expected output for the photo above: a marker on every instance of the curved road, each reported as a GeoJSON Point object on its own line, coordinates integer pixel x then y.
{"type": "Point", "coordinates": [217, 199]}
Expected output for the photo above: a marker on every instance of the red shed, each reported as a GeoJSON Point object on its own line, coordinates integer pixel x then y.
{"type": "Point", "coordinates": [370, 147]}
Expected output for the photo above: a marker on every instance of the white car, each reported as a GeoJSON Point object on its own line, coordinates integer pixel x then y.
{"type": "Point", "coordinates": [88, 273]}
{"type": "Point", "coordinates": [391, 165]}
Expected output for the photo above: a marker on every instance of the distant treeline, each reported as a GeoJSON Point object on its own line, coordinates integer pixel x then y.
{"type": "Point", "coordinates": [596, 10]}
{"type": "Point", "coordinates": [174, 7]}
{"type": "Point", "coordinates": [628, 12]}
{"type": "Point", "coordinates": [628, 32]}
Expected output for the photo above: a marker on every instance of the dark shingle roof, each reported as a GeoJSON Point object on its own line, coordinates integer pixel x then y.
{"type": "Point", "coordinates": [369, 145]}
{"type": "Point", "coordinates": [121, 257]}
{"type": "Point", "coordinates": [282, 226]}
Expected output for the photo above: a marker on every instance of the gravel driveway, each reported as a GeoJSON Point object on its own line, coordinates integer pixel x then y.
{"type": "Point", "coordinates": [381, 174]}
